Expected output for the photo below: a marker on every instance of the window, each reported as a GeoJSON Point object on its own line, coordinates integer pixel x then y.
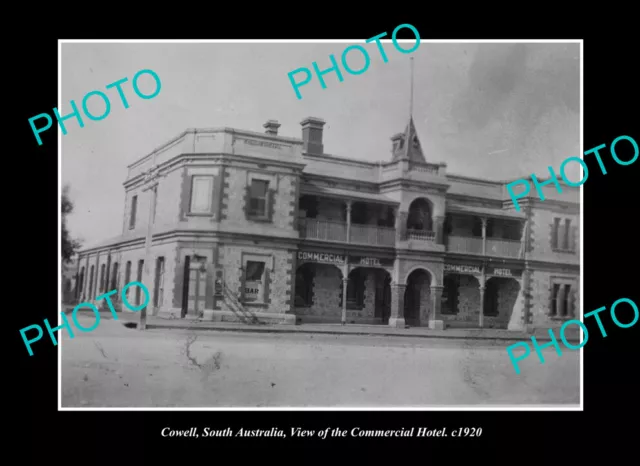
{"type": "Point", "coordinates": [127, 276]}
{"type": "Point", "coordinates": [567, 231]}
{"type": "Point", "coordinates": [201, 194]}
{"type": "Point", "coordinates": [102, 267]}
{"type": "Point", "coordinates": [90, 284]}
{"type": "Point", "coordinates": [562, 235]}
{"type": "Point", "coordinates": [254, 281]}
{"type": "Point", "coordinates": [114, 279]}
{"type": "Point", "coordinates": [134, 208]}
{"type": "Point", "coordinates": [80, 284]}
{"type": "Point", "coordinates": [138, 289]}
{"type": "Point", "coordinates": [561, 305]}
{"type": "Point", "coordinates": [258, 195]}
{"type": "Point", "coordinates": [159, 283]}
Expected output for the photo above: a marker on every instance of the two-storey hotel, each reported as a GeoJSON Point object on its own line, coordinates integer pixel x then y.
{"type": "Point", "coordinates": [246, 226]}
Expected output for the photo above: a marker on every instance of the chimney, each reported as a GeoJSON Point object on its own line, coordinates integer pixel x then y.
{"type": "Point", "coordinates": [271, 127]}
{"type": "Point", "coordinates": [312, 135]}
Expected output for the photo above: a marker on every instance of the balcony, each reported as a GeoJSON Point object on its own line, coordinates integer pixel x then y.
{"type": "Point", "coordinates": [325, 230]}
{"type": "Point", "coordinates": [504, 248]}
{"type": "Point", "coordinates": [464, 244]}
{"type": "Point", "coordinates": [494, 247]}
{"type": "Point", "coordinates": [420, 235]}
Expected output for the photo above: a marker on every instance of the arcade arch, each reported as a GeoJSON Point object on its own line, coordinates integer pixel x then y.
{"type": "Point", "coordinates": [319, 294]}
{"type": "Point", "coordinates": [417, 297]}
{"type": "Point", "coordinates": [500, 299]}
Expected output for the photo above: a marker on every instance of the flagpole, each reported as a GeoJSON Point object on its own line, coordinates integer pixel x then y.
{"type": "Point", "coordinates": [409, 136]}
{"type": "Point", "coordinates": [411, 96]}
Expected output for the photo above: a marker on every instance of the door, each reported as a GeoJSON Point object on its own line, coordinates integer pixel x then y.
{"type": "Point", "coordinates": [185, 286]}
{"type": "Point", "coordinates": [197, 288]}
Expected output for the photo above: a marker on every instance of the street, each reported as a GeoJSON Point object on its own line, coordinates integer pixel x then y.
{"type": "Point", "coordinates": [114, 366]}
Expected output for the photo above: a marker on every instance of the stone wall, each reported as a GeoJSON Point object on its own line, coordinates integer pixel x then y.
{"type": "Point", "coordinates": [234, 199]}
{"type": "Point", "coordinates": [279, 264]}
{"type": "Point", "coordinates": [468, 303]}
{"type": "Point", "coordinates": [541, 228]}
{"type": "Point", "coordinates": [540, 297]}
{"type": "Point", "coordinates": [508, 292]}
{"type": "Point", "coordinates": [327, 294]}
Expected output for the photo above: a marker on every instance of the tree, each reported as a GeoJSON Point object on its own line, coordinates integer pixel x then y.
{"type": "Point", "coordinates": [69, 245]}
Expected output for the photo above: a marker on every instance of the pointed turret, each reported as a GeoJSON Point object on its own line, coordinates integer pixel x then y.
{"type": "Point", "coordinates": [406, 146]}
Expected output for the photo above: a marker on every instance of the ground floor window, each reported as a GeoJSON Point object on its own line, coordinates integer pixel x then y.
{"type": "Point", "coordinates": [127, 277]}
{"type": "Point", "coordinates": [256, 278]}
{"type": "Point", "coordinates": [114, 278]}
{"type": "Point", "coordinates": [139, 279]}
{"type": "Point", "coordinates": [561, 302]}
{"type": "Point", "coordinates": [159, 283]}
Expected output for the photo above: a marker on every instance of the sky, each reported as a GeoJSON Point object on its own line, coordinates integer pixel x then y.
{"type": "Point", "coordinates": [493, 110]}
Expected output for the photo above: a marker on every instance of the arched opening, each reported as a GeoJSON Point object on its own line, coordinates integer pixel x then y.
{"type": "Point", "coordinates": [368, 295]}
{"type": "Point", "coordinates": [318, 293]}
{"type": "Point", "coordinates": [420, 215]}
{"type": "Point", "coordinates": [500, 298]}
{"type": "Point", "coordinates": [114, 277]}
{"type": "Point", "coordinates": [102, 278]}
{"type": "Point", "coordinates": [461, 301]}
{"type": "Point", "coordinates": [417, 302]}
{"type": "Point", "coordinates": [420, 220]}
{"type": "Point", "coordinates": [91, 283]}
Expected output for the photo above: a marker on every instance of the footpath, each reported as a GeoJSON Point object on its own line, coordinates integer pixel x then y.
{"type": "Point", "coordinates": [130, 320]}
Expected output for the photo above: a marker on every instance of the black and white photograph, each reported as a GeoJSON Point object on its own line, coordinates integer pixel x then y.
{"type": "Point", "coordinates": [334, 250]}
{"type": "Point", "coordinates": [253, 227]}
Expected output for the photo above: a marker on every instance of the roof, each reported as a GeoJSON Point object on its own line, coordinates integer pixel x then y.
{"type": "Point", "coordinates": [346, 194]}
{"type": "Point", "coordinates": [485, 211]}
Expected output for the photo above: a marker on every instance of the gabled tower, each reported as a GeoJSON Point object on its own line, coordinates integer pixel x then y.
{"type": "Point", "coordinates": [406, 146]}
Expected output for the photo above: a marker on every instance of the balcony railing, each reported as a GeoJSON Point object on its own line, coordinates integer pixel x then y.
{"type": "Point", "coordinates": [503, 248]}
{"type": "Point", "coordinates": [323, 230]}
{"type": "Point", "coordinates": [370, 234]}
{"type": "Point", "coordinates": [495, 247]}
{"type": "Point", "coordinates": [326, 230]}
{"type": "Point", "coordinates": [464, 244]}
{"type": "Point", "coordinates": [421, 235]}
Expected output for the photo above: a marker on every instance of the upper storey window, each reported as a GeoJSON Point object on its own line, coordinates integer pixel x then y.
{"type": "Point", "coordinates": [258, 198]}
{"type": "Point", "coordinates": [563, 235]}
{"type": "Point", "coordinates": [134, 209]}
{"type": "Point", "coordinates": [201, 194]}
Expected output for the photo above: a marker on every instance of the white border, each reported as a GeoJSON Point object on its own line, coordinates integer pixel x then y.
{"type": "Point", "coordinates": [335, 41]}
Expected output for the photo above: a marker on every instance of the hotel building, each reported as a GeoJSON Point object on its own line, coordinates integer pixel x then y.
{"type": "Point", "coordinates": [255, 226]}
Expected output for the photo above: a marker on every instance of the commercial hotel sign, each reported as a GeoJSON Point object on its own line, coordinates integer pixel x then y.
{"type": "Point", "coordinates": [462, 268]}
{"type": "Point", "coordinates": [321, 257]}
{"type": "Point", "coordinates": [339, 259]}
{"type": "Point", "coordinates": [477, 270]}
